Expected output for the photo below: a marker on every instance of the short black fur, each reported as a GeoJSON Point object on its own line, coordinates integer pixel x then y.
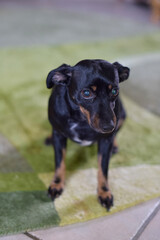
{"type": "Point", "coordinates": [85, 107]}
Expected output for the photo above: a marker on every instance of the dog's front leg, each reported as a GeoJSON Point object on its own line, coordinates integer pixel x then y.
{"type": "Point", "coordinates": [104, 152]}
{"type": "Point", "coordinates": [57, 185]}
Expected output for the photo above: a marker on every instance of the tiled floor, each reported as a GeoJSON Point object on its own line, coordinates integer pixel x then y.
{"type": "Point", "coordinates": [140, 222]}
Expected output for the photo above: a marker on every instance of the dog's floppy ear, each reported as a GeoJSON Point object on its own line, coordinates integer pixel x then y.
{"type": "Point", "coordinates": [60, 75]}
{"type": "Point", "coordinates": [122, 71]}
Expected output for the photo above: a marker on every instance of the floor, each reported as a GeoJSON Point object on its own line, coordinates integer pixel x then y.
{"type": "Point", "coordinates": [141, 222]}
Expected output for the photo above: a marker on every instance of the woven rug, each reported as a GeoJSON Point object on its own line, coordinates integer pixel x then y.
{"type": "Point", "coordinates": [27, 166]}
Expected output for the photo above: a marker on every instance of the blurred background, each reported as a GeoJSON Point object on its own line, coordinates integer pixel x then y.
{"type": "Point", "coordinates": [112, 29]}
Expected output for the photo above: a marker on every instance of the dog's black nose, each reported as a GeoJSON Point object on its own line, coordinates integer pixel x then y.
{"type": "Point", "coordinates": [108, 127]}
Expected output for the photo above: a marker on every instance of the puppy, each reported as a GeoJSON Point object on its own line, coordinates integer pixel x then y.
{"type": "Point", "coordinates": [85, 107]}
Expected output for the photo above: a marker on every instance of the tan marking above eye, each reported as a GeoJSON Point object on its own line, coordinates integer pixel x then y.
{"type": "Point", "coordinates": [110, 87]}
{"type": "Point", "coordinates": [94, 88]}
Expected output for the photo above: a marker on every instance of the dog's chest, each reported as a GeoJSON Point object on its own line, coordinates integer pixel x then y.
{"type": "Point", "coordinates": [79, 135]}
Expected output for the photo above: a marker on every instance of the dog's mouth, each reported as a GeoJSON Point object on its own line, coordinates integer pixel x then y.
{"type": "Point", "coordinates": [98, 125]}
{"type": "Point", "coordinates": [107, 129]}
{"type": "Point", "coordinates": [103, 126]}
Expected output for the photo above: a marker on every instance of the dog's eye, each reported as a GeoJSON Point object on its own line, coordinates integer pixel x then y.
{"type": "Point", "coordinates": [114, 92]}
{"type": "Point", "coordinates": [87, 93]}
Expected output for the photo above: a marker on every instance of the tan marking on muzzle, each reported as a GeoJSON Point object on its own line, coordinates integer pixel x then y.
{"type": "Point", "coordinates": [86, 113]}
{"type": "Point", "coordinates": [95, 122]}
{"type": "Point", "coordinates": [114, 119]}
{"type": "Point", "coordinates": [120, 123]}
{"type": "Point", "coordinates": [115, 144]}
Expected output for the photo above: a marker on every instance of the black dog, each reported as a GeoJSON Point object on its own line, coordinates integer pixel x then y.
{"type": "Point", "coordinates": [85, 107]}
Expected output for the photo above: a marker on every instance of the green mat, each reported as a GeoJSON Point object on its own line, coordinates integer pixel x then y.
{"type": "Point", "coordinates": [26, 164]}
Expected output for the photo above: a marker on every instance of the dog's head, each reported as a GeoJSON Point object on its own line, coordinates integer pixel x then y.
{"type": "Point", "coordinates": [93, 85]}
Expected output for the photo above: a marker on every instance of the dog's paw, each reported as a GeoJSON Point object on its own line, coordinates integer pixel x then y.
{"type": "Point", "coordinates": [55, 189]}
{"type": "Point", "coordinates": [105, 198]}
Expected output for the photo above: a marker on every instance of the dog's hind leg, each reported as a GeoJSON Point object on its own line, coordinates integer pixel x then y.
{"type": "Point", "coordinates": [49, 140]}
{"type": "Point", "coordinates": [57, 185]}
